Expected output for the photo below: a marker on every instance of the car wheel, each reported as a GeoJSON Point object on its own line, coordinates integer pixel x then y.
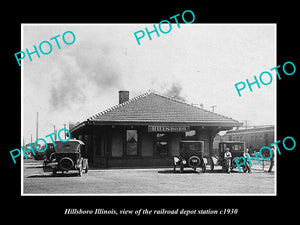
{"type": "Point", "coordinates": [52, 157]}
{"type": "Point", "coordinates": [66, 163]}
{"type": "Point", "coordinates": [194, 161]}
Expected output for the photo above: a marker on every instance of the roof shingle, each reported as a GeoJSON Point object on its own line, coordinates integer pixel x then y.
{"type": "Point", "coordinates": [152, 107]}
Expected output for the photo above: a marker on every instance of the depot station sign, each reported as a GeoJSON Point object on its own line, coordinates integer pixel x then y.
{"type": "Point", "coordinates": [168, 128]}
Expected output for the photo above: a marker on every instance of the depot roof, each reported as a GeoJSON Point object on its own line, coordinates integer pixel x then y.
{"type": "Point", "coordinates": [153, 108]}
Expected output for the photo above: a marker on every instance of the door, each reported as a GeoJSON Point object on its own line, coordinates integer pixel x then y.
{"type": "Point", "coordinates": [101, 155]}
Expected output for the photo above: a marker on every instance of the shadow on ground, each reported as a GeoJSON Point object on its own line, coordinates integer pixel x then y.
{"type": "Point", "coordinates": [75, 174]}
{"type": "Point", "coordinates": [190, 171]}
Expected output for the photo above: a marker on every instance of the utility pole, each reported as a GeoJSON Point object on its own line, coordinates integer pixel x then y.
{"type": "Point", "coordinates": [37, 125]}
{"type": "Point", "coordinates": [246, 123]}
{"type": "Point", "coordinates": [65, 131]}
{"type": "Point", "coordinates": [213, 108]}
{"type": "Point", "coordinates": [54, 133]}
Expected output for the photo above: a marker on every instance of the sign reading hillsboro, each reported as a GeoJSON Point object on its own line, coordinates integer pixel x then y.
{"type": "Point", "coordinates": [168, 128]}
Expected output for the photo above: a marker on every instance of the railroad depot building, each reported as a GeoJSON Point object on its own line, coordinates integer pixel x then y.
{"type": "Point", "coordinates": [145, 131]}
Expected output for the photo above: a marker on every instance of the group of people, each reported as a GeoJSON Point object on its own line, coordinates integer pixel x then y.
{"type": "Point", "coordinates": [227, 155]}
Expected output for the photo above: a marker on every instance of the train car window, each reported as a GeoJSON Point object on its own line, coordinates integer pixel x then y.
{"type": "Point", "coordinates": [236, 147]}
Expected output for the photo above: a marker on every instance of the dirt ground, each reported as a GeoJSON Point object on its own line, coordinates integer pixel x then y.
{"type": "Point", "coordinates": [158, 181]}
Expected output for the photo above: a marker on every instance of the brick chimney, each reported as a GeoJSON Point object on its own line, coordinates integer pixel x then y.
{"type": "Point", "coordinates": [123, 96]}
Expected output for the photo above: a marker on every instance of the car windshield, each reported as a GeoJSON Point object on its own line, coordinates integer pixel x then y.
{"type": "Point", "coordinates": [191, 146]}
{"type": "Point", "coordinates": [67, 147]}
{"type": "Point", "coordinates": [194, 147]}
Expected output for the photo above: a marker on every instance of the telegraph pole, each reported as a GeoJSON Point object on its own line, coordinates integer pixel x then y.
{"type": "Point", "coordinates": [246, 123]}
{"type": "Point", "coordinates": [37, 125]}
{"type": "Point", "coordinates": [213, 108]}
{"type": "Point", "coordinates": [54, 133]}
{"type": "Point", "coordinates": [65, 131]}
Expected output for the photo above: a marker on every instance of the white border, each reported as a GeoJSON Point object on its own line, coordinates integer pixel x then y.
{"type": "Point", "coordinates": [22, 110]}
{"type": "Point", "coordinates": [146, 194]}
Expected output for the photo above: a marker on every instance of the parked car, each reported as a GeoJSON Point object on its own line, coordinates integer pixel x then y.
{"type": "Point", "coordinates": [190, 155]}
{"type": "Point", "coordinates": [49, 153]}
{"type": "Point", "coordinates": [38, 151]}
{"type": "Point", "coordinates": [236, 148]}
{"type": "Point", "coordinates": [68, 156]}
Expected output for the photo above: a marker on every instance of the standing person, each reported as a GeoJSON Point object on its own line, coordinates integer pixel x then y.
{"type": "Point", "coordinates": [227, 157]}
{"type": "Point", "coordinates": [272, 158]}
{"type": "Point", "coordinates": [246, 158]}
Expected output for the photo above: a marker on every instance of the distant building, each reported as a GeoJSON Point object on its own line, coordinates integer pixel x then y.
{"type": "Point", "coordinates": [29, 153]}
{"type": "Point", "coordinates": [71, 124]}
{"type": "Point", "coordinates": [255, 137]}
{"type": "Point", "coordinates": [145, 131]}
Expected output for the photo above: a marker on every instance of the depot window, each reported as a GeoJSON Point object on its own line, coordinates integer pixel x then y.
{"type": "Point", "coordinates": [189, 135]}
{"type": "Point", "coordinates": [162, 146]}
{"type": "Point", "coordinates": [131, 142]}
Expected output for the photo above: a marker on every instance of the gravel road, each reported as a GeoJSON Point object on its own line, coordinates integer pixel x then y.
{"type": "Point", "coordinates": [158, 181]}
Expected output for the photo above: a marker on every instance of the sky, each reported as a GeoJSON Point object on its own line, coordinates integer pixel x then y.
{"type": "Point", "coordinates": [196, 63]}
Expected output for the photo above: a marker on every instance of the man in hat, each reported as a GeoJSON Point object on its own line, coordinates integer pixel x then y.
{"type": "Point", "coordinates": [227, 157]}
{"type": "Point", "coordinates": [246, 158]}
{"type": "Point", "coordinates": [272, 160]}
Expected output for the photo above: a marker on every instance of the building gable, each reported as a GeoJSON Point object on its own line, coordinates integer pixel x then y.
{"type": "Point", "coordinates": [155, 108]}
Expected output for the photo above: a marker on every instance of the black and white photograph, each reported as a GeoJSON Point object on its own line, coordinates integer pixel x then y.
{"type": "Point", "coordinates": [138, 112]}
{"type": "Point", "coordinates": [157, 115]}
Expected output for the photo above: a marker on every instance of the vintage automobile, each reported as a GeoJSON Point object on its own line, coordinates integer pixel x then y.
{"type": "Point", "coordinates": [49, 153]}
{"type": "Point", "coordinates": [68, 156]}
{"type": "Point", "coordinates": [190, 155]}
{"type": "Point", "coordinates": [38, 151]}
{"type": "Point", "coordinates": [236, 148]}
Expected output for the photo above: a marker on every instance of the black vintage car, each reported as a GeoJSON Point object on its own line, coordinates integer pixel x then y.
{"type": "Point", "coordinates": [236, 148]}
{"type": "Point", "coordinates": [190, 155]}
{"type": "Point", "coordinates": [50, 151]}
{"type": "Point", "coordinates": [68, 156]}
